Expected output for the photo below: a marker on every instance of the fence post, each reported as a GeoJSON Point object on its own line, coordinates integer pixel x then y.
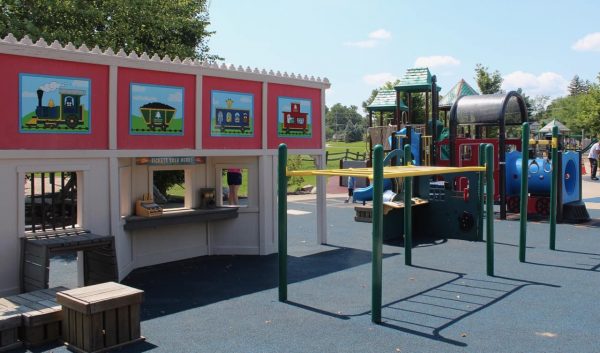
{"type": "Point", "coordinates": [524, 190]}
{"type": "Point", "coordinates": [282, 220]}
{"type": "Point", "coordinates": [407, 210]}
{"type": "Point", "coordinates": [553, 188]}
{"type": "Point", "coordinates": [377, 219]}
{"type": "Point", "coordinates": [489, 173]}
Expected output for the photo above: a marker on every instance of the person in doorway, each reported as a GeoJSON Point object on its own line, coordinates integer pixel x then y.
{"type": "Point", "coordinates": [234, 180]}
{"type": "Point", "coordinates": [593, 156]}
{"type": "Point", "coordinates": [350, 189]}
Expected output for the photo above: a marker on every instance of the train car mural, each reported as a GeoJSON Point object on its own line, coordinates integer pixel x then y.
{"type": "Point", "coordinates": [156, 110]}
{"type": "Point", "coordinates": [65, 109]}
{"type": "Point", "coordinates": [157, 115]}
{"type": "Point", "coordinates": [232, 113]}
{"type": "Point", "coordinates": [294, 117]}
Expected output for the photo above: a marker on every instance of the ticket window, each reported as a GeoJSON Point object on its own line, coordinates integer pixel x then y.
{"type": "Point", "coordinates": [234, 186]}
{"type": "Point", "coordinates": [171, 188]}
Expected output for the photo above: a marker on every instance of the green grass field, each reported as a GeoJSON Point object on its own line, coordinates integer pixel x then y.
{"type": "Point", "coordinates": [139, 125]}
{"type": "Point", "coordinates": [336, 151]}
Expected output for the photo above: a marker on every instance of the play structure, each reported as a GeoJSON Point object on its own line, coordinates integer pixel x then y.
{"type": "Point", "coordinates": [89, 133]}
{"type": "Point", "coordinates": [455, 200]}
{"type": "Point", "coordinates": [474, 119]}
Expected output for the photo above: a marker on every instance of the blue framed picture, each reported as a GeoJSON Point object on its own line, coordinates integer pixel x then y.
{"type": "Point", "coordinates": [156, 110]}
{"type": "Point", "coordinates": [232, 114]}
{"type": "Point", "coordinates": [54, 104]}
{"type": "Point", "coordinates": [294, 117]}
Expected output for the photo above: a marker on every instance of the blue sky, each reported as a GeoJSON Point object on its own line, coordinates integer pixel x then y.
{"type": "Point", "coordinates": [358, 45]}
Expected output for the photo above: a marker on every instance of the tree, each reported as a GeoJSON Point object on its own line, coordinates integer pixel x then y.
{"type": "Point", "coordinates": [528, 102]}
{"type": "Point", "coordinates": [539, 106]}
{"type": "Point", "coordinates": [339, 117]}
{"type": "Point", "coordinates": [488, 83]}
{"type": "Point", "coordinates": [578, 86]}
{"type": "Point", "coordinates": [174, 28]}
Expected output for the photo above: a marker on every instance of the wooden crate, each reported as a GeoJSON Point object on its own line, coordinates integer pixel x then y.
{"type": "Point", "coordinates": [39, 316]}
{"type": "Point", "coordinates": [101, 317]}
{"type": "Point", "coordinates": [10, 320]}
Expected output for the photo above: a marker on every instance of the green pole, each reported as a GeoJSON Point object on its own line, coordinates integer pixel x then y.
{"type": "Point", "coordinates": [524, 191]}
{"type": "Point", "coordinates": [377, 234]}
{"type": "Point", "coordinates": [407, 210]}
{"type": "Point", "coordinates": [489, 176]}
{"type": "Point", "coordinates": [481, 203]}
{"type": "Point", "coordinates": [553, 188]}
{"type": "Point", "coordinates": [282, 220]}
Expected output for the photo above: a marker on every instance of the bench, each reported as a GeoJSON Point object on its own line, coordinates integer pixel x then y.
{"type": "Point", "coordinates": [32, 318]}
{"type": "Point", "coordinates": [99, 260]}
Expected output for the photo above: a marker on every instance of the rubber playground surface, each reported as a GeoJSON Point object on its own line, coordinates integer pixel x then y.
{"type": "Point", "coordinates": [445, 302]}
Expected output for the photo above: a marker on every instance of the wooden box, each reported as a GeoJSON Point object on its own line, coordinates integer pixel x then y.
{"type": "Point", "coordinates": [9, 326]}
{"type": "Point", "coordinates": [100, 317]}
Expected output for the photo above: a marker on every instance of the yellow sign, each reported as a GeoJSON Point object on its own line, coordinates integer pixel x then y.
{"type": "Point", "coordinates": [554, 142]}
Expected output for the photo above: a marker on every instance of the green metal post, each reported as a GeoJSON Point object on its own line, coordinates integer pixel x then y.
{"type": "Point", "coordinates": [481, 203]}
{"type": "Point", "coordinates": [282, 220]}
{"type": "Point", "coordinates": [377, 262]}
{"type": "Point", "coordinates": [524, 190]}
{"type": "Point", "coordinates": [489, 176]}
{"type": "Point", "coordinates": [407, 210]}
{"type": "Point", "coordinates": [553, 188]}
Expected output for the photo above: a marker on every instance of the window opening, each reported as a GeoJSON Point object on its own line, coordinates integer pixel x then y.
{"type": "Point", "coordinates": [50, 201]}
{"type": "Point", "coordinates": [235, 187]}
{"type": "Point", "coordinates": [169, 188]}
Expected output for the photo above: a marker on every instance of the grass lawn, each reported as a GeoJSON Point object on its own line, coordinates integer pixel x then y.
{"type": "Point", "coordinates": [336, 152]}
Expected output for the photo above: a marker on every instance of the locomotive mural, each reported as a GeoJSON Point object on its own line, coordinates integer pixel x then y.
{"type": "Point", "coordinates": [156, 110]}
{"type": "Point", "coordinates": [54, 104]}
{"type": "Point", "coordinates": [232, 114]}
{"type": "Point", "coordinates": [294, 117]}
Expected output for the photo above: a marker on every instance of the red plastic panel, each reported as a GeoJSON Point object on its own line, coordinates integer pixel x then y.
{"type": "Point", "coordinates": [303, 93]}
{"type": "Point", "coordinates": [10, 137]}
{"type": "Point", "coordinates": [251, 88]}
{"type": "Point", "coordinates": [129, 141]}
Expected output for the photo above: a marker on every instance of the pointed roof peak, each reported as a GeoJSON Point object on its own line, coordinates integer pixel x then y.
{"type": "Point", "coordinates": [461, 88]}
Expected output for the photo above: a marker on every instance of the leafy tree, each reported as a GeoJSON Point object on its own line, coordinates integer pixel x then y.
{"type": "Point", "coordinates": [339, 117]}
{"type": "Point", "coordinates": [539, 106]}
{"type": "Point", "coordinates": [488, 83]}
{"type": "Point", "coordinates": [578, 86]}
{"type": "Point", "coordinates": [176, 28]}
{"type": "Point", "coordinates": [580, 111]}
{"type": "Point", "coordinates": [528, 102]}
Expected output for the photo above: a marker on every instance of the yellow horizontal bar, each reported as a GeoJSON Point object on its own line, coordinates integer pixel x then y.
{"type": "Point", "coordinates": [388, 172]}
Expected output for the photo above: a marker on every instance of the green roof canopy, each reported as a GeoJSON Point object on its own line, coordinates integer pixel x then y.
{"type": "Point", "coordinates": [460, 89]}
{"type": "Point", "coordinates": [385, 101]}
{"type": "Point", "coordinates": [416, 80]}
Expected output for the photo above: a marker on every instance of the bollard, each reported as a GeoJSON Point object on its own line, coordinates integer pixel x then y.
{"type": "Point", "coordinates": [481, 203]}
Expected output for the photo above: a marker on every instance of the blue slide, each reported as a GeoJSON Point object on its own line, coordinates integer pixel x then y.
{"type": "Point", "coordinates": [366, 194]}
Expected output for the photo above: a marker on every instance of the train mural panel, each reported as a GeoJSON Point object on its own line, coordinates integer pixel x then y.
{"type": "Point", "coordinates": [156, 110]}
{"type": "Point", "coordinates": [54, 104]}
{"type": "Point", "coordinates": [232, 114]}
{"type": "Point", "coordinates": [294, 117]}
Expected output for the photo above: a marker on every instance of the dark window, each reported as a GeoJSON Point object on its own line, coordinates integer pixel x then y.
{"type": "Point", "coordinates": [50, 201]}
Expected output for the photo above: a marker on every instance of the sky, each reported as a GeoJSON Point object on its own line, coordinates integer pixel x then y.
{"type": "Point", "coordinates": [538, 46]}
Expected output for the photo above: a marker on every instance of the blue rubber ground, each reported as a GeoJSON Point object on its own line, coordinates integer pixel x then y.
{"type": "Point", "coordinates": [444, 303]}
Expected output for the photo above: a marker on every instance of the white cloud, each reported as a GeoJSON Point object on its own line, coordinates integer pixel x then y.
{"type": "Point", "coordinates": [547, 83]}
{"type": "Point", "coordinates": [375, 38]}
{"type": "Point", "coordinates": [80, 83]}
{"type": "Point", "coordinates": [378, 79]}
{"type": "Point", "coordinates": [138, 88]}
{"type": "Point", "coordinates": [436, 61]}
{"type": "Point", "coordinates": [380, 34]}
{"type": "Point", "coordinates": [369, 43]}
{"type": "Point", "coordinates": [145, 98]}
{"type": "Point", "coordinates": [245, 99]}
{"type": "Point", "coordinates": [590, 42]}
{"type": "Point", "coordinates": [175, 97]}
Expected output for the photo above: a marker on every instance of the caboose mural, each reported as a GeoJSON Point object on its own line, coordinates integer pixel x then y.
{"type": "Point", "coordinates": [295, 119]}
